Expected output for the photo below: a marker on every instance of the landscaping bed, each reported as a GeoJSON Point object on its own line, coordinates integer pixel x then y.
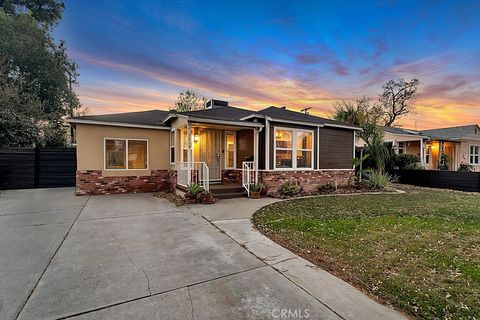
{"type": "Point", "coordinates": [418, 251]}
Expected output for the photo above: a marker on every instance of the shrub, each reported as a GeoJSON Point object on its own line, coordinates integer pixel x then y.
{"type": "Point", "coordinates": [443, 165]}
{"type": "Point", "coordinates": [328, 187]}
{"type": "Point", "coordinates": [378, 180]}
{"type": "Point", "coordinates": [405, 161]}
{"type": "Point", "coordinates": [465, 167]}
{"type": "Point", "coordinates": [290, 188]}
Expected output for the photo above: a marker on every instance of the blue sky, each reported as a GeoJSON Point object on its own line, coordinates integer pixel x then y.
{"type": "Point", "coordinates": [138, 55]}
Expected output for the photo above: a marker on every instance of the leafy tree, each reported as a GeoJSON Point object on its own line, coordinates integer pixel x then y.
{"type": "Point", "coordinates": [360, 112]}
{"type": "Point", "coordinates": [396, 98]}
{"type": "Point", "coordinates": [18, 110]}
{"type": "Point", "coordinates": [36, 72]}
{"type": "Point", "coordinates": [46, 12]}
{"type": "Point", "coordinates": [189, 101]}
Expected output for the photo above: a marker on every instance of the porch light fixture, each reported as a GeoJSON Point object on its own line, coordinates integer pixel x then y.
{"type": "Point", "coordinates": [196, 136]}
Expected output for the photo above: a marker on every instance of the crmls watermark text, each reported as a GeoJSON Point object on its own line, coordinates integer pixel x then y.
{"type": "Point", "coordinates": [291, 313]}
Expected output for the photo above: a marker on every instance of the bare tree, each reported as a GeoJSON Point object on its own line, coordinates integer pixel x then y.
{"type": "Point", "coordinates": [396, 98]}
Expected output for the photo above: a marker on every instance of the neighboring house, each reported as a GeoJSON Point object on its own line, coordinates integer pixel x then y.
{"type": "Point", "coordinates": [157, 150]}
{"type": "Point", "coordinates": [460, 144]}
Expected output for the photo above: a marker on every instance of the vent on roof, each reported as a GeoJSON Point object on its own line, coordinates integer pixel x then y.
{"type": "Point", "coordinates": [212, 104]}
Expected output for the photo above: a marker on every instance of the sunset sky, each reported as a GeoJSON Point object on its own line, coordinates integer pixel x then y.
{"type": "Point", "coordinates": [138, 55]}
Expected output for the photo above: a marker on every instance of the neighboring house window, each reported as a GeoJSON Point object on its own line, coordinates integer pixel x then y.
{"type": "Point", "coordinates": [230, 152]}
{"type": "Point", "coordinates": [474, 154]}
{"type": "Point", "coordinates": [428, 154]}
{"type": "Point", "coordinates": [400, 147]}
{"type": "Point", "coordinates": [172, 147]}
{"type": "Point", "coordinates": [293, 149]}
{"type": "Point", "coordinates": [126, 154]}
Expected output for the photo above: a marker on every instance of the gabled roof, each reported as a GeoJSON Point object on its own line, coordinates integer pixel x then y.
{"type": "Point", "coordinates": [397, 130]}
{"type": "Point", "coordinates": [295, 116]}
{"type": "Point", "coordinates": [226, 113]}
{"type": "Point", "coordinates": [453, 133]}
{"type": "Point", "coordinates": [151, 118]}
{"type": "Point", "coordinates": [158, 119]}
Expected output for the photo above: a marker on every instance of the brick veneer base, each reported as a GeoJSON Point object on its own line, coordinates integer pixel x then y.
{"type": "Point", "coordinates": [232, 176]}
{"type": "Point", "coordinates": [309, 180]}
{"type": "Point", "coordinates": [90, 182]}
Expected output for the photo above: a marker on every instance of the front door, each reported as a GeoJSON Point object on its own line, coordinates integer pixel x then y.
{"type": "Point", "coordinates": [210, 151]}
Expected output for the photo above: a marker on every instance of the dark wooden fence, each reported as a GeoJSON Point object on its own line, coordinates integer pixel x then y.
{"type": "Point", "coordinates": [23, 168]}
{"type": "Point", "coordinates": [464, 181]}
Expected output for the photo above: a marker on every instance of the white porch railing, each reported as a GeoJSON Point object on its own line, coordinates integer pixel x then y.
{"type": "Point", "coordinates": [249, 175]}
{"type": "Point", "coordinates": [196, 172]}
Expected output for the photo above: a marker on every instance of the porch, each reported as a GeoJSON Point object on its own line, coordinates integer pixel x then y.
{"type": "Point", "coordinates": [222, 159]}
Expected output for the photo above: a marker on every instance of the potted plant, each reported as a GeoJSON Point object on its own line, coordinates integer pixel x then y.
{"type": "Point", "coordinates": [207, 197]}
{"type": "Point", "coordinates": [192, 192]}
{"type": "Point", "coordinates": [255, 190]}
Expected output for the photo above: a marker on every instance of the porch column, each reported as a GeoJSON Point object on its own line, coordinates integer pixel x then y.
{"type": "Point", "coordinates": [255, 155]}
{"type": "Point", "coordinates": [189, 153]}
{"type": "Point", "coordinates": [422, 154]}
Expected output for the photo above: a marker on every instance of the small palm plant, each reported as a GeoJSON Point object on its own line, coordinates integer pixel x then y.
{"type": "Point", "coordinates": [255, 190]}
{"type": "Point", "coordinates": [358, 164]}
{"type": "Point", "coordinates": [192, 191]}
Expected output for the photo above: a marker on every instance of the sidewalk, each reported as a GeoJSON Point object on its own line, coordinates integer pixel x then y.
{"type": "Point", "coordinates": [232, 216]}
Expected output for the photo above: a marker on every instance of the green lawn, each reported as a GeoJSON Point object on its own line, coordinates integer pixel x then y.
{"type": "Point", "coordinates": [418, 251]}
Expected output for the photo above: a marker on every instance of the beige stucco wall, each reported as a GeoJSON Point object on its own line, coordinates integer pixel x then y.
{"type": "Point", "coordinates": [90, 148]}
{"type": "Point", "coordinates": [464, 153]}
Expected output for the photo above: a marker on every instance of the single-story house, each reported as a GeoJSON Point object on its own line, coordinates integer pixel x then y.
{"type": "Point", "coordinates": [460, 144]}
{"type": "Point", "coordinates": [157, 150]}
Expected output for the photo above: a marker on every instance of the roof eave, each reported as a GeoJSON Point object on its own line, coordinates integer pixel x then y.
{"type": "Point", "coordinates": [116, 124]}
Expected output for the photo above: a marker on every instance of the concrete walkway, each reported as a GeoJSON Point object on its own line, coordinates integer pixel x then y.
{"type": "Point", "coordinates": [135, 256]}
{"type": "Point", "coordinates": [131, 256]}
{"type": "Point", "coordinates": [233, 217]}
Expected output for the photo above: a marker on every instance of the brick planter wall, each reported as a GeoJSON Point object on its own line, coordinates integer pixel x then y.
{"type": "Point", "coordinates": [309, 180]}
{"type": "Point", "coordinates": [231, 176]}
{"type": "Point", "coordinates": [90, 182]}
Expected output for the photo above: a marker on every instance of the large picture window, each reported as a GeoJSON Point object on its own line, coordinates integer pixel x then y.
{"type": "Point", "coordinates": [474, 154]}
{"type": "Point", "coordinates": [126, 154]}
{"type": "Point", "coordinates": [293, 149]}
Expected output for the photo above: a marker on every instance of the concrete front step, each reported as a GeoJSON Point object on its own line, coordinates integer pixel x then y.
{"type": "Point", "coordinates": [227, 190]}
{"type": "Point", "coordinates": [229, 195]}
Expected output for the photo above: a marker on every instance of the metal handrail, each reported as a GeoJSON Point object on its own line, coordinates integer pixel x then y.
{"type": "Point", "coordinates": [248, 175]}
{"type": "Point", "coordinates": [195, 172]}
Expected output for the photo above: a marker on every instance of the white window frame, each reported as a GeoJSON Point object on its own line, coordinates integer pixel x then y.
{"type": "Point", "coordinates": [174, 146]}
{"type": "Point", "coordinates": [428, 154]}
{"type": "Point", "coordinates": [234, 150]}
{"type": "Point", "coordinates": [126, 153]}
{"type": "Point", "coordinates": [470, 154]}
{"type": "Point", "coordinates": [404, 147]}
{"type": "Point", "coordinates": [294, 149]}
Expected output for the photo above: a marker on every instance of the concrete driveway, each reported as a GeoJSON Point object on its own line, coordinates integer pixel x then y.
{"type": "Point", "coordinates": [132, 257]}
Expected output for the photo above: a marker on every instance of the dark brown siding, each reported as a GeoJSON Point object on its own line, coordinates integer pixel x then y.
{"type": "Point", "coordinates": [336, 148]}
{"type": "Point", "coordinates": [286, 125]}
{"type": "Point", "coordinates": [244, 145]}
